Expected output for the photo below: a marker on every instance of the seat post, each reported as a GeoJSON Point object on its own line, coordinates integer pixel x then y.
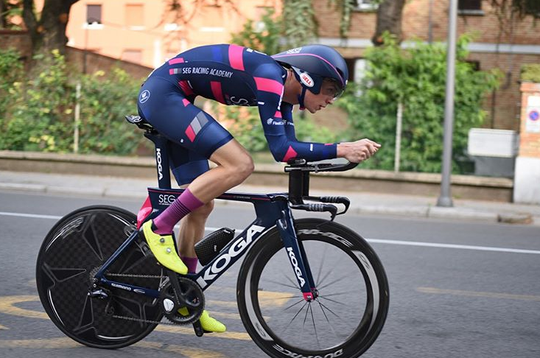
{"type": "Point", "coordinates": [162, 159]}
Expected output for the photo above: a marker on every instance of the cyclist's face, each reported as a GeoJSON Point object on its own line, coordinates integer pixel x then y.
{"type": "Point", "coordinates": [315, 102]}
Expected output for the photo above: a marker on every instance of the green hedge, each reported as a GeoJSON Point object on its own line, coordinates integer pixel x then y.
{"type": "Point", "coordinates": [37, 113]}
{"type": "Point", "coordinates": [531, 73]}
{"type": "Point", "coordinates": [416, 77]}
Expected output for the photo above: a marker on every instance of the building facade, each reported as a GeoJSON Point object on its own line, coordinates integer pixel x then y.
{"type": "Point", "coordinates": [148, 32]}
{"type": "Point", "coordinates": [506, 46]}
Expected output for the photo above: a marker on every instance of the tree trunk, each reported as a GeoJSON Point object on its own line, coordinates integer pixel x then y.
{"type": "Point", "coordinates": [49, 32]}
{"type": "Point", "coordinates": [389, 16]}
{"type": "Point", "coordinates": [3, 9]}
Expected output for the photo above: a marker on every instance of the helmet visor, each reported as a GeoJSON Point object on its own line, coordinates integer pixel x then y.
{"type": "Point", "coordinates": [332, 87]}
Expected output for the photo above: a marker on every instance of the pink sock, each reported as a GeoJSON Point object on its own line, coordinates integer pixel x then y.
{"type": "Point", "coordinates": [191, 263]}
{"type": "Point", "coordinates": [183, 205]}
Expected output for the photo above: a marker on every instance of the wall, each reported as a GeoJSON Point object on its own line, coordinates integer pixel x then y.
{"type": "Point", "coordinates": [507, 50]}
{"type": "Point", "coordinates": [20, 40]}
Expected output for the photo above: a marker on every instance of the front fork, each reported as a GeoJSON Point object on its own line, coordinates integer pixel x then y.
{"type": "Point", "coordinates": [297, 256]}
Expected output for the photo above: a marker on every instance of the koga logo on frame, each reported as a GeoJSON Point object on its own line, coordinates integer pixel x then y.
{"type": "Point", "coordinates": [159, 166]}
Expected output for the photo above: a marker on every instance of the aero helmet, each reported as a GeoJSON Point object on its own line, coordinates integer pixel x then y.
{"type": "Point", "coordinates": [311, 64]}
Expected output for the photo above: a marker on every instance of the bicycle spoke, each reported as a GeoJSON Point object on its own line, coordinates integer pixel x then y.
{"type": "Point", "coordinates": [282, 284]}
{"type": "Point", "coordinates": [321, 267]}
{"type": "Point", "coordinates": [329, 310]}
{"type": "Point", "coordinates": [334, 301]}
{"type": "Point", "coordinates": [294, 304]}
{"type": "Point", "coordinates": [327, 319]}
{"type": "Point", "coordinates": [314, 326]}
{"type": "Point", "coordinates": [338, 294]}
{"type": "Point", "coordinates": [342, 319]}
{"type": "Point", "coordinates": [319, 283]}
{"type": "Point", "coordinates": [296, 315]}
{"type": "Point", "coordinates": [335, 281]}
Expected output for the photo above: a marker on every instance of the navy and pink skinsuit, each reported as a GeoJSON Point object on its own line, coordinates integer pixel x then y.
{"type": "Point", "coordinates": [229, 74]}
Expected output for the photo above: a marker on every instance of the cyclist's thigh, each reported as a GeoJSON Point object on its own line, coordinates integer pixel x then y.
{"type": "Point", "coordinates": [194, 134]}
{"type": "Point", "coordinates": [186, 165]}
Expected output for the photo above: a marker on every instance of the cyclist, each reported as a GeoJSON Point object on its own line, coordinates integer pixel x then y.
{"type": "Point", "coordinates": [312, 76]}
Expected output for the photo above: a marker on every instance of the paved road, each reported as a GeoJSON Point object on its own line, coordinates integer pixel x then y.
{"type": "Point", "coordinates": [457, 289]}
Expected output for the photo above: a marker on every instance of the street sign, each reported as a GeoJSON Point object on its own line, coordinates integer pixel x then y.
{"type": "Point", "coordinates": [532, 124]}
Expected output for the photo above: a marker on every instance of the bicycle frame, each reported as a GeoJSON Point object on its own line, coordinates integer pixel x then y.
{"type": "Point", "coordinates": [271, 210]}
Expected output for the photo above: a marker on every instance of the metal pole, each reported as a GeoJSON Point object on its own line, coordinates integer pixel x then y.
{"type": "Point", "coordinates": [445, 198]}
{"type": "Point", "coordinates": [77, 119]}
{"type": "Point", "coordinates": [397, 157]}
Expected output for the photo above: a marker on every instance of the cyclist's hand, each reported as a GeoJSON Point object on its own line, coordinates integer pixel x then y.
{"type": "Point", "coordinates": [356, 152]}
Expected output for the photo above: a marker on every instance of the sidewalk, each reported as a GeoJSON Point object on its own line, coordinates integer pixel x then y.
{"type": "Point", "coordinates": [361, 203]}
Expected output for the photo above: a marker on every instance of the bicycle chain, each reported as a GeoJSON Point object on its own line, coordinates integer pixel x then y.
{"type": "Point", "coordinates": [133, 275]}
{"type": "Point", "coordinates": [133, 319]}
{"type": "Point", "coordinates": [145, 320]}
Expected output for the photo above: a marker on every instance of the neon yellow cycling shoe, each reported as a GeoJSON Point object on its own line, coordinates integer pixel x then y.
{"type": "Point", "coordinates": [208, 324]}
{"type": "Point", "coordinates": [163, 248]}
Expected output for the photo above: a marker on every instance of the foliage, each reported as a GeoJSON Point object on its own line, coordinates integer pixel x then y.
{"type": "Point", "coordinates": [521, 8]}
{"type": "Point", "coordinates": [265, 39]}
{"type": "Point", "coordinates": [11, 69]}
{"type": "Point", "coordinates": [43, 108]}
{"type": "Point", "coordinates": [246, 124]}
{"type": "Point", "coordinates": [40, 114]}
{"type": "Point", "coordinates": [246, 127]}
{"type": "Point", "coordinates": [417, 78]}
{"type": "Point", "coordinates": [531, 73]}
{"type": "Point", "coordinates": [104, 103]}
{"type": "Point", "coordinates": [10, 10]}
{"type": "Point", "coordinates": [299, 23]}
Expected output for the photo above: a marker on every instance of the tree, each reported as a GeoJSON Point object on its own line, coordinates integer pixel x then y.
{"type": "Point", "coordinates": [48, 31]}
{"type": "Point", "coordinates": [416, 77]}
{"type": "Point", "coordinates": [389, 16]}
{"type": "Point", "coordinates": [8, 11]}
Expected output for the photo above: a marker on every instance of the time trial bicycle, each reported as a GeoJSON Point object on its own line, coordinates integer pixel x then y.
{"type": "Point", "coordinates": [306, 288]}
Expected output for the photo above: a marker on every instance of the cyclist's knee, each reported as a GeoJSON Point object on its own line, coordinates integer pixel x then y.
{"type": "Point", "coordinates": [245, 168]}
{"type": "Point", "coordinates": [204, 211]}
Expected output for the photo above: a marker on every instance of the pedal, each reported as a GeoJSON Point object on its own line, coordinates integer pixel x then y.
{"type": "Point", "coordinates": [199, 331]}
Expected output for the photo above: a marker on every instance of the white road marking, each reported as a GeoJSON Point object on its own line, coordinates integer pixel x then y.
{"type": "Point", "coordinates": [32, 216]}
{"type": "Point", "coordinates": [374, 241]}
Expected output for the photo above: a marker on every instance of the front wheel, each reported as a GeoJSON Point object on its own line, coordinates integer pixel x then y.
{"type": "Point", "coordinates": [349, 312]}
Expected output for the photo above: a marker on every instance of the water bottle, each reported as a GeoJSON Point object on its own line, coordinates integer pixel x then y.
{"type": "Point", "coordinates": [212, 244]}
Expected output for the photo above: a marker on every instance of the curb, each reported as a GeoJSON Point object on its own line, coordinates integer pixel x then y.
{"type": "Point", "coordinates": [421, 211]}
{"type": "Point", "coordinates": [358, 180]}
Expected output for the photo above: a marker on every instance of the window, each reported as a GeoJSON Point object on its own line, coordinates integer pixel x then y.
{"type": "Point", "coordinates": [365, 5]}
{"type": "Point", "coordinates": [470, 7]}
{"type": "Point", "coordinates": [132, 56]}
{"type": "Point", "coordinates": [93, 14]}
{"type": "Point", "coordinates": [532, 7]}
{"type": "Point", "coordinates": [135, 15]}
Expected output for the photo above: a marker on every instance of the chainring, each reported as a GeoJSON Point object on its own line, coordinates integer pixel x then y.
{"type": "Point", "coordinates": [191, 293]}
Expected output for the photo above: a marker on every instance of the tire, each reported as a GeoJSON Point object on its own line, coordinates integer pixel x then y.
{"type": "Point", "coordinates": [353, 301]}
{"type": "Point", "coordinates": [73, 251]}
